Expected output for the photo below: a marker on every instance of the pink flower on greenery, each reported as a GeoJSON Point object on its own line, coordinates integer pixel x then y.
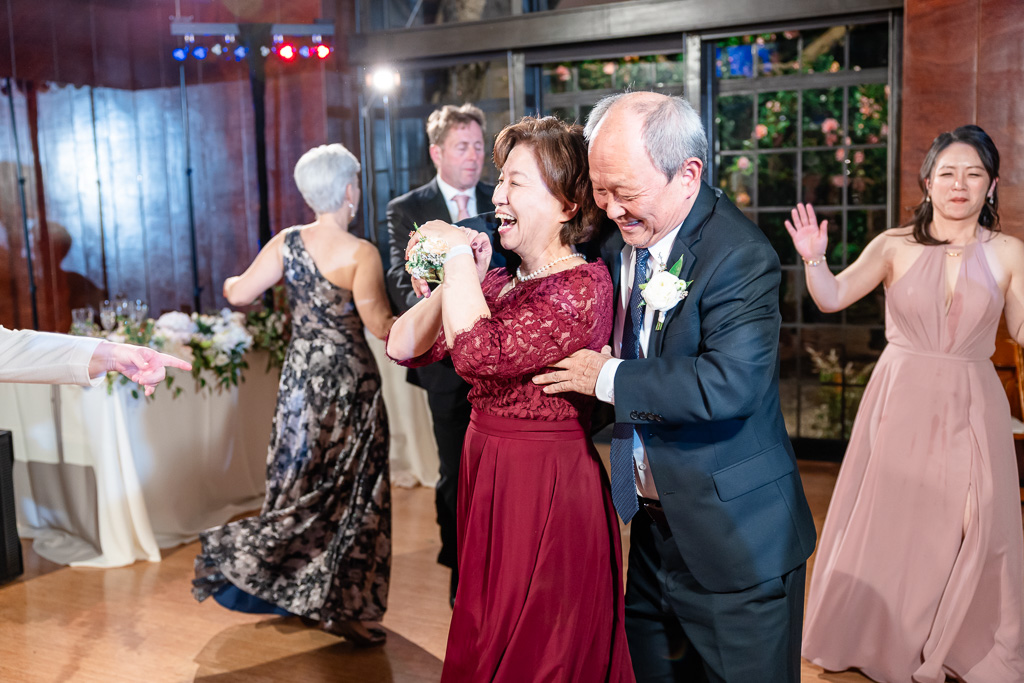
{"type": "Point", "coordinates": [761, 130]}
{"type": "Point", "coordinates": [837, 181]}
{"type": "Point", "coordinates": [840, 154]}
{"type": "Point", "coordinates": [872, 139]}
{"type": "Point", "coordinates": [885, 129]}
{"type": "Point", "coordinates": [831, 138]}
{"type": "Point", "coordinates": [563, 72]}
{"type": "Point", "coordinates": [858, 157]}
{"type": "Point", "coordinates": [608, 68]}
{"type": "Point", "coordinates": [829, 125]}
{"type": "Point", "coordinates": [743, 199]}
{"type": "Point", "coordinates": [743, 163]}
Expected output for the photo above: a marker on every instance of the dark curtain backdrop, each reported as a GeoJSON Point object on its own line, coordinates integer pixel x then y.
{"type": "Point", "coordinates": [97, 113]}
{"type": "Point", "coordinates": [114, 188]}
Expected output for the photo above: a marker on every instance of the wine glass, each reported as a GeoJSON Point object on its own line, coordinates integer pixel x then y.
{"type": "Point", "coordinates": [138, 312]}
{"type": "Point", "coordinates": [108, 315]}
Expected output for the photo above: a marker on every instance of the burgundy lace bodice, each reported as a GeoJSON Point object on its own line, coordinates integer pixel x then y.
{"type": "Point", "coordinates": [534, 324]}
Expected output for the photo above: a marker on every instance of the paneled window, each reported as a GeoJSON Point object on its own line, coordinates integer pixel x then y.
{"type": "Point", "coordinates": [570, 89]}
{"type": "Point", "coordinates": [803, 116]}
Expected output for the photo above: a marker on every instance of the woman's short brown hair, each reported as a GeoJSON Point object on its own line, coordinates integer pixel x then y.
{"type": "Point", "coordinates": [561, 154]}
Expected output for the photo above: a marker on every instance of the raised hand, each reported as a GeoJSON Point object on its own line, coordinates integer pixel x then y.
{"type": "Point", "coordinates": [809, 238]}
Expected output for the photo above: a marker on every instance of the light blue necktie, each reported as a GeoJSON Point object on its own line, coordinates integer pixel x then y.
{"type": "Point", "coordinates": [623, 481]}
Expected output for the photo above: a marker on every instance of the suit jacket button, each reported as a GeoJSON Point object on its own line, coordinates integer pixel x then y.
{"type": "Point", "coordinates": [633, 415]}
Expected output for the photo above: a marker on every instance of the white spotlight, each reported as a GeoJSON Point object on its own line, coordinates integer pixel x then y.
{"type": "Point", "coordinates": [384, 79]}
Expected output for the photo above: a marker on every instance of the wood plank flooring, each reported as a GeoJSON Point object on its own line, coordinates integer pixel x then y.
{"type": "Point", "coordinates": [140, 623]}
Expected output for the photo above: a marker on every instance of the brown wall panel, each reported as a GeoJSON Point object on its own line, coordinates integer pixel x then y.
{"type": "Point", "coordinates": [964, 63]}
{"type": "Point", "coordinates": [939, 81]}
{"type": "Point", "coordinates": [1001, 100]}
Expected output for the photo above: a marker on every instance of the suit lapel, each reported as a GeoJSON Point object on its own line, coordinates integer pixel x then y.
{"type": "Point", "coordinates": [687, 238]}
{"type": "Point", "coordinates": [611, 252]}
{"type": "Point", "coordinates": [435, 206]}
{"type": "Point", "coordinates": [483, 198]}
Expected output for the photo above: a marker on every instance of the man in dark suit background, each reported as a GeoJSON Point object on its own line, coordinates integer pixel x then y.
{"type": "Point", "coordinates": [456, 136]}
{"type": "Point", "coordinates": [701, 460]}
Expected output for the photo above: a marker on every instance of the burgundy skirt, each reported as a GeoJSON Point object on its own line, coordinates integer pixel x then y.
{"type": "Point", "coordinates": [540, 593]}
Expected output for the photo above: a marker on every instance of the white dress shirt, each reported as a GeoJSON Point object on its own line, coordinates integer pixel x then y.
{"type": "Point", "coordinates": [605, 389]}
{"type": "Point", "coordinates": [449, 193]}
{"type": "Point", "coordinates": [46, 358]}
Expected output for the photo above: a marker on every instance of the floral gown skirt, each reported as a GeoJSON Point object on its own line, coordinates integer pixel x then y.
{"type": "Point", "coordinates": [321, 545]}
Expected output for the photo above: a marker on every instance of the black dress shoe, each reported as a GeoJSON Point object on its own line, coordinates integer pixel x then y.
{"type": "Point", "coordinates": [452, 586]}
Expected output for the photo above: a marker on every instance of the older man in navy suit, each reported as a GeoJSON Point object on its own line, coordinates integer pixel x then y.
{"type": "Point", "coordinates": [701, 462]}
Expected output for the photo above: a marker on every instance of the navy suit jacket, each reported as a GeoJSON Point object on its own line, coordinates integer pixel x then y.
{"type": "Point", "coordinates": [706, 401]}
{"type": "Point", "coordinates": [416, 207]}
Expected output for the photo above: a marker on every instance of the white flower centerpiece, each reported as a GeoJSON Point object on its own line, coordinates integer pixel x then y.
{"type": "Point", "coordinates": [215, 344]}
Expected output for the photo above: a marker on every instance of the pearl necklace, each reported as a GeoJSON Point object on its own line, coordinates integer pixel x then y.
{"type": "Point", "coordinates": [530, 276]}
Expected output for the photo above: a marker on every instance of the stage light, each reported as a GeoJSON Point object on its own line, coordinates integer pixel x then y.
{"type": "Point", "coordinates": [286, 52]}
{"type": "Point", "coordinates": [384, 79]}
{"type": "Point", "coordinates": [229, 38]}
{"type": "Point", "coordinates": [179, 54]}
{"type": "Point", "coordinates": [216, 49]}
{"type": "Point", "coordinates": [264, 50]}
{"type": "Point", "coordinates": [322, 51]}
{"type": "Point", "coordinates": [304, 51]}
{"type": "Point", "coordinates": [240, 53]}
{"type": "Point", "coordinates": [199, 52]}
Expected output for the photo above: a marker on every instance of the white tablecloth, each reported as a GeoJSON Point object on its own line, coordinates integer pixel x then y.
{"type": "Point", "coordinates": [103, 479]}
{"type": "Point", "coordinates": [414, 458]}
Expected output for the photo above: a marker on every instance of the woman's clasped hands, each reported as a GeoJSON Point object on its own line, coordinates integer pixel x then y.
{"type": "Point", "coordinates": [453, 236]}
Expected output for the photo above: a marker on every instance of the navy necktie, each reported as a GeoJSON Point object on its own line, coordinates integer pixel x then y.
{"type": "Point", "coordinates": [622, 479]}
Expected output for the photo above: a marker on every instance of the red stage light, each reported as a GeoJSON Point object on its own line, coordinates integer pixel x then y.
{"type": "Point", "coordinates": [322, 51]}
{"type": "Point", "coordinates": [287, 52]}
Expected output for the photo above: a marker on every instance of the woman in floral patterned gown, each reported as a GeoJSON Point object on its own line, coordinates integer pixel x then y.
{"type": "Point", "coordinates": [321, 546]}
{"type": "Point", "coordinates": [540, 565]}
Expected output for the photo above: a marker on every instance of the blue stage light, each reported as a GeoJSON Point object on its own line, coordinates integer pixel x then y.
{"type": "Point", "coordinates": [199, 52]}
{"type": "Point", "coordinates": [240, 53]}
{"type": "Point", "coordinates": [179, 54]}
{"type": "Point", "coordinates": [304, 51]}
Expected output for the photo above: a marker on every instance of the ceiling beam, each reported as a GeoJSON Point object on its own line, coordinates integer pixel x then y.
{"type": "Point", "coordinates": [598, 23]}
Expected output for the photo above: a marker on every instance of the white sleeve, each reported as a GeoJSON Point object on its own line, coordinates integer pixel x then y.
{"type": "Point", "coordinates": [605, 387]}
{"type": "Point", "coordinates": [46, 358]}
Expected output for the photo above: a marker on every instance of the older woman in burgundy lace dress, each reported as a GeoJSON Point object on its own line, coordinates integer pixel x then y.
{"type": "Point", "coordinates": [540, 587]}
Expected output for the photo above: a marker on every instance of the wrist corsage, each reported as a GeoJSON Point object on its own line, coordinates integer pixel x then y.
{"type": "Point", "coordinates": [664, 290]}
{"type": "Point", "coordinates": [426, 258]}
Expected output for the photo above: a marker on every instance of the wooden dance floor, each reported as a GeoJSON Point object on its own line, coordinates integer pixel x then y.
{"type": "Point", "coordinates": [140, 623]}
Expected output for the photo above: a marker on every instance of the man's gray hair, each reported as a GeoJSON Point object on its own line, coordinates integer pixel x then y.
{"type": "Point", "coordinates": [322, 174]}
{"type": "Point", "coordinates": [672, 131]}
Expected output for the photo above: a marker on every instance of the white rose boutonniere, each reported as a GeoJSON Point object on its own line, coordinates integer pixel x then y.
{"type": "Point", "coordinates": [664, 290]}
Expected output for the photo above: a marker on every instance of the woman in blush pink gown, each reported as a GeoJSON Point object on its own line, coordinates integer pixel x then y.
{"type": "Point", "coordinates": [919, 573]}
{"type": "Point", "coordinates": [540, 565]}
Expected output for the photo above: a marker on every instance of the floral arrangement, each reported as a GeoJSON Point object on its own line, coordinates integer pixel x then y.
{"type": "Point", "coordinates": [215, 344]}
{"type": "Point", "coordinates": [426, 258]}
{"type": "Point", "coordinates": [834, 377]}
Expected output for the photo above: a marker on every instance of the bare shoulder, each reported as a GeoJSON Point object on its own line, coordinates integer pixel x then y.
{"type": "Point", "coordinates": [1003, 242]}
{"type": "Point", "coordinates": [892, 241]}
{"type": "Point", "coordinates": [1008, 250]}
